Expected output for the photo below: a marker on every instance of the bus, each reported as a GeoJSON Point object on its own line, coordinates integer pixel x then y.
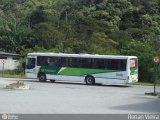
{"type": "Point", "coordinates": [88, 68]}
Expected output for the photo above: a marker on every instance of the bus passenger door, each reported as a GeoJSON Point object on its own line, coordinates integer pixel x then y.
{"type": "Point", "coordinates": [30, 70]}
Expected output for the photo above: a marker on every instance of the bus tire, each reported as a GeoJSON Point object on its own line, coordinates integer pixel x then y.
{"type": "Point", "coordinates": [42, 77]}
{"type": "Point", "coordinates": [89, 80]}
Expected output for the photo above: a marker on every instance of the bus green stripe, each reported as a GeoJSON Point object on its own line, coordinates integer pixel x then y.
{"type": "Point", "coordinates": [72, 71]}
{"type": "Point", "coordinates": [81, 71]}
{"type": "Point", "coordinates": [49, 69]}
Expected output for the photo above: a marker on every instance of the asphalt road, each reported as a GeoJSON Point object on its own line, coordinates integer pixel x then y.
{"type": "Point", "coordinates": [76, 98]}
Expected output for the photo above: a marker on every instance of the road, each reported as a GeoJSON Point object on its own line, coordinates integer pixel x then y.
{"type": "Point", "coordinates": [76, 98]}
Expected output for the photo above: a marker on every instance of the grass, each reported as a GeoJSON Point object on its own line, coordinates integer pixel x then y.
{"type": "Point", "coordinates": [145, 83]}
{"type": "Point", "coordinates": [12, 74]}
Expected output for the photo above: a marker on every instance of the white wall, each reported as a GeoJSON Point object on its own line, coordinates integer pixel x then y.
{"type": "Point", "coordinates": [10, 64]}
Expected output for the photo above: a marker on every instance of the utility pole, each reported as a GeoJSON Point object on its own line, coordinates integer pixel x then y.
{"type": "Point", "coordinates": [156, 68]}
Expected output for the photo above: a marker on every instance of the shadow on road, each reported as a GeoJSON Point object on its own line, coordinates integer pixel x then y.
{"type": "Point", "coordinates": [146, 107]}
{"type": "Point", "coordinates": [78, 83]}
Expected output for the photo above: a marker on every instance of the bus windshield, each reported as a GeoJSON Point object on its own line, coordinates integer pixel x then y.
{"type": "Point", "coordinates": [30, 63]}
{"type": "Point", "coordinates": [133, 63]}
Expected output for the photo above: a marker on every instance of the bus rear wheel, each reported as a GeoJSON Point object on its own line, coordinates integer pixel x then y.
{"type": "Point", "coordinates": [90, 80]}
{"type": "Point", "coordinates": [42, 77]}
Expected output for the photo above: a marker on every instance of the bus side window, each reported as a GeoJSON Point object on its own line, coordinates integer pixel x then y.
{"type": "Point", "coordinates": [122, 65]}
{"type": "Point", "coordinates": [76, 62]}
{"type": "Point", "coordinates": [42, 61]}
{"type": "Point", "coordinates": [105, 63]}
{"type": "Point", "coordinates": [109, 64]}
{"type": "Point", "coordinates": [58, 61]}
{"type": "Point", "coordinates": [86, 63]}
{"type": "Point", "coordinates": [51, 61]}
{"type": "Point", "coordinates": [83, 65]}
{"type": "Point", "coordinates": [55, 61]}
{"type": "Point", "coordinates": [68, 62]}
{"type": "Point", "coordinates": [100, 64]}
{"type": "Point", "coordinates": [89, 63]}
{"type": "Point", "coordinates": [63, 62]}
{"type": "Point", "coordinates": [114, 64]}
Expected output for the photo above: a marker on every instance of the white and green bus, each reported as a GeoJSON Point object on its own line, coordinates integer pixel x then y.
{"type": "Point", "coordinates": [88, 68]}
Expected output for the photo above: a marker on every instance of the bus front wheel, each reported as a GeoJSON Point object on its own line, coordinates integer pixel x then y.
{"type": "Point", "coordinates": [90, 80]}
{"type": "Point", "coordinates": [42, 77]}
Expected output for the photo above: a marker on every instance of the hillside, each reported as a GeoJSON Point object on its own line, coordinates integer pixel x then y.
{"type": "Point", "coordinates": [124, 27]}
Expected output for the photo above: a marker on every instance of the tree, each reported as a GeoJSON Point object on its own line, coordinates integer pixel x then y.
{"type": "Point", "coordinates": [46, 35]}
{"type": "Point", "coordinates": [101, 43]}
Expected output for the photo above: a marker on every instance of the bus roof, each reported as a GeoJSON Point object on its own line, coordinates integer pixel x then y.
{"type": "Point", "coordinates": [80, 55]}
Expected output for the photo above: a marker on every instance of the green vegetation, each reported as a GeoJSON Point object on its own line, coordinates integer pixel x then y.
{"type": "Point", "coordinates": [12, 74]}
{"type": "Point", "coordinates": [124, 27]}
{"type": "Point", "coordinates": [144, 83]}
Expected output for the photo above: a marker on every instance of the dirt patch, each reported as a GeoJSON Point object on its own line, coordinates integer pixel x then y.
{"type": "Point", "coordinates": [18, 85]}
